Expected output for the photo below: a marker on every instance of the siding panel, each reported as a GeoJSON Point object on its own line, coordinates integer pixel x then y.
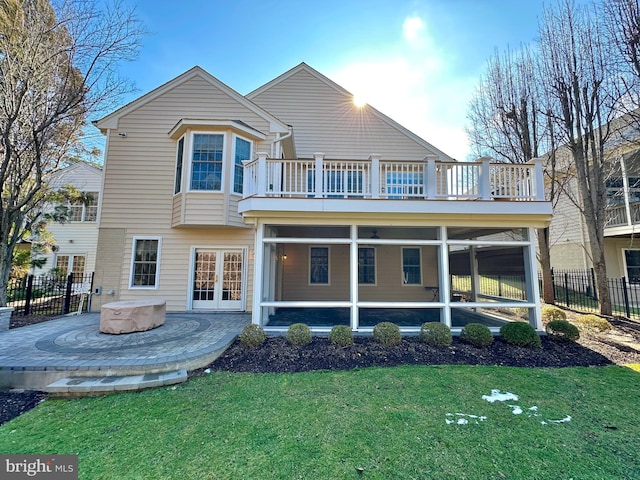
{"type": "Point", "coordinates": [337, 127]}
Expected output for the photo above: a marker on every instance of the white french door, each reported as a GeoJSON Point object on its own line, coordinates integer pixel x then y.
{"type": "Point", "coordinates": [217, 279]}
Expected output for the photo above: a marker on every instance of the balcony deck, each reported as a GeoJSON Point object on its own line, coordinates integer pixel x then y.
{"type": "Point", "coordinates": [622, 219]}
{"type": "Point", "coordinates": [322, 185]}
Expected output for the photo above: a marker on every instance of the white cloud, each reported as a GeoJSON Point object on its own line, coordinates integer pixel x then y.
{"type": "Point", "coordinates": [411, 29]}
{"type": "Point", "coordinates": [412, 83]}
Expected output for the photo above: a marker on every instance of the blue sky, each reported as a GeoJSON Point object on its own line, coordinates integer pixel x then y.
{"type": "Point", "coordinates": [417, 61]}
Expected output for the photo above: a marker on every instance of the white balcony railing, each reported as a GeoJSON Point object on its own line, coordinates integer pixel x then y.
{"type": "Point", "coordinates": [377, 178]}
{"type": "Point", "coordinates": [623, 215]}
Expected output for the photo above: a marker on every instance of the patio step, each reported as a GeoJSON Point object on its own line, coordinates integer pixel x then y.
{"type": "Point", "coordinates": [97, 385]}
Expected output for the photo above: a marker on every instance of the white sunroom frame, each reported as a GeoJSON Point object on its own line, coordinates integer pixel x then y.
{"type": "Point", "coordinates": [262, 282]}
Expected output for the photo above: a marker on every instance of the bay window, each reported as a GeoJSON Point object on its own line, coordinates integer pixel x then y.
{"type": "Point", "coordinates": [242, 152]}
{"type": "Point", "coordinates": [206, 162]}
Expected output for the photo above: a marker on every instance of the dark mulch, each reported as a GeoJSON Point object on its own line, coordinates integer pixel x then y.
{"type": "Point", "coordinates": [277, 355]}
{"type": "Point", "coordinates": [18, 321]}
{"type": "Point", "coordinates": [13, 403]}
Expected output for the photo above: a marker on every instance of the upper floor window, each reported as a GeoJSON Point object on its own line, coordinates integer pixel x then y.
{"type": "Point", "coordinates": [180, 156]}
{"type": "Point", "coordinates": [615, 190]}
{"type": "Point", "coordinates": [337, 183]}
{"type": "Point", "coordinates": [242, 152]}
{"type": "Point", "coordinates": [401, 184]}
{"type": "Point", "coordinates": [84, 209]}
{"type": "Point", "coordinates": [206, 162]}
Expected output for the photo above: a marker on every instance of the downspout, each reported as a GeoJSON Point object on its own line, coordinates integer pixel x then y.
{"type": "Point", "coordinates": [279, 139]}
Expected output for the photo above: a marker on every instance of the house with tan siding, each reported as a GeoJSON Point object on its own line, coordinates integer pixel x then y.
{"type": "Point", "coordinates": [293, 204]}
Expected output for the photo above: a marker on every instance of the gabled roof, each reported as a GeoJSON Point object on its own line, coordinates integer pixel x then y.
{"type": "Point", "coordinates": [392, 123]}
{"type": "Point", "coordinates": [111, 120]}
{"type": "Point", "coordinates": [75, 167]}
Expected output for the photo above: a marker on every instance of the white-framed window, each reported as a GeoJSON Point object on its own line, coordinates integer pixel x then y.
{"type": "Point", "coordinates": [84, 209]}
{"type": "Point", "coordinates": [145, 262]}
{"type": "Point", "coordinates": [411, 266]}
{"type": "Point", "coordinates": [366, 266]}
{"type": "Point", "coordinates": [401, 185]}
{"type": "Point", "coordinates": [337, 184]}
{"type": "Point", "coordinates": [632, 264]}
{"type": "Point", "coordinates": [207, 156]}
{"type": "Point", "coordinates": [179, 166]}
{"type": "Point", "coordinates": [319, 265]}
{"type": "Point", "coordinates": [66, 264]}
{"type": "Point", "coordinates": [241, 152]}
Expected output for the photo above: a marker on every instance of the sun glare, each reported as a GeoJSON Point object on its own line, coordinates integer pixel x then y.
{"type": "Point", "coordinates": [359, 101]}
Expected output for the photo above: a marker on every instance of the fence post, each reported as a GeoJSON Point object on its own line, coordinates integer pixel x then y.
{"type": "Point", "coordinates": [566, 289]}
{"type": "Point", "coordinates": [27, 300]}
{"type": "Point", "coordinates": [593, 284]}
{"type": "Point", "coordinates": [553, 285]}
{"type": "Point", "coordinates": [626, 297]}
{"type": "Point", "coordinates": [67, 295]}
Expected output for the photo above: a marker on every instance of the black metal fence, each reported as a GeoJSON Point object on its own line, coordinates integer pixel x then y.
{"type": "Point", "coordinates": [576, 289]}
{"type": "Point", "coordinates": [49, 294]}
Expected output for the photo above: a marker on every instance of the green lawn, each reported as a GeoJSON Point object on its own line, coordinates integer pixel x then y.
{"type": "Point", "coordinates": [391, 423]}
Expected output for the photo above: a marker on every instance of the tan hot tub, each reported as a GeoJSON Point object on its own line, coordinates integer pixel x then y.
{"type": "Point", "coordinates": [132, 315]}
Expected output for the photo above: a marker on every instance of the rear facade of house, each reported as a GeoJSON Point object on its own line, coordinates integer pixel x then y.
{"type": "Point", "coordinates": [295, 205]}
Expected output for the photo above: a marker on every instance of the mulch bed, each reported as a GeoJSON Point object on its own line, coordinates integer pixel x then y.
{"type": "Point", "coordinates": [277, 355]}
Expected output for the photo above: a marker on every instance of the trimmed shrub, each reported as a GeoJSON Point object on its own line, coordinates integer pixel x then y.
{"type": "Point", "coordinates": [436, 334]}
{"type": "Point", "coordinates": [387, 333]}
{"type": "Point", "coordinates": [477, 335]}
{"type": "Point", "coordinates": [252, 336]}
{"type": "Point", "coordinates": [298, 334]}
{"type": "Point", "coordinates": [593, 322]}
{"type": "Point", "coordinates": [549, 313]}
{"type": "Point", "coordinates": [520, 333]}
{"type": "Point", "coordinates": [341, 335]}
{"type": "Point", "coordinates": [563, 331]}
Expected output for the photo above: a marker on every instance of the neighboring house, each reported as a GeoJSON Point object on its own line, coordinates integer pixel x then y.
{"type": "Point", "coordinates": [75, 241]}
{"type": "Point", "coordinates": [569, 237]}
{"type": "Point", "coordinates": [294, 204]}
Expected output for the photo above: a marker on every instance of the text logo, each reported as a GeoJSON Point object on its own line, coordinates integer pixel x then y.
{"type": "Point", "coordinates": [49, 467]}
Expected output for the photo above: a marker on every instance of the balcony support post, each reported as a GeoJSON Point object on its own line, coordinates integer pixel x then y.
{"type": "Point", "coordinates": [485, 179]}
{"type": "Point", "coordinates": [262, 174]}
{"type": "Point", "coordinates": [430, 179]}
{"type": "Point", "coordinates": [319, 157]}
{"type": "Point", "coordinates": [375, 175]}
{"type": "Point", "coordinates": [539, 178]}
{"type": "Point", "coordinates": [625, 191]}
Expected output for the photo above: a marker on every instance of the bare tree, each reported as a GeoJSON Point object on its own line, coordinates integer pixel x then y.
{"type": "Point", "coordinates": [622, 20]}
{"type": "Point", "coordinates": [579, 76]}
{"type": "Point", "coordinates": [507, 121]}
{"type": "Point", "coordinates": [57, 66]}
{"type": "Point", "coordinates": [503, 111]}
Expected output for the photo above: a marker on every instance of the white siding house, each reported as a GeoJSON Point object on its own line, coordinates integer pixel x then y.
{"type": "Point", "coordinates": [75, 241]}
{"type": "Point", "coordinates": [294, 204]}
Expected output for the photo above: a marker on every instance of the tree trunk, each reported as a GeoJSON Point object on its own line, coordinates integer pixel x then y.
{"type": "Point", "coordinates": [600, 270]}
{"type": "Point", "coordinates": [5, 270]}
{"type": "Point", "coordinates": [545, 266]}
